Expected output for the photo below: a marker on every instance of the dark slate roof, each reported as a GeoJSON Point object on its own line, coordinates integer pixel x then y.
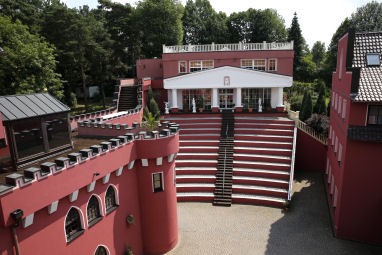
{"type": "Point", "coordinates": [370, 81]}
{"type": "Point", "coordinates": [365, 133]}
{"type": "Point", "coordinates": [26, 106]}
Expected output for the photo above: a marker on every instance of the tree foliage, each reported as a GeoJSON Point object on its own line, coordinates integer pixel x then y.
{"type": "Point", "coordinates": [320, 106]}
{"type": "Point", "coordinates": [158, 22]}
{"type": "Point", "coordinates": [29, 65]}
{"type": "Point", "coordinates": [202, 24]}
{"type": "Point", "coordinates": [319, 122]}
{"type": "Point", "coordinates": [295, 35]}
{"type": "Point", "coordinates": [306, 107]}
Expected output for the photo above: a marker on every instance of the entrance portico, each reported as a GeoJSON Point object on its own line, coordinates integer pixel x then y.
{"type": "Point", "coordinates": [227, 88]}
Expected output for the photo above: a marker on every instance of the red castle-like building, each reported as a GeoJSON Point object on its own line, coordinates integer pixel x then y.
{"type": "Point", "coordinates": [353, 167]}
{"type": "Point", "coordinates": [99, 183]}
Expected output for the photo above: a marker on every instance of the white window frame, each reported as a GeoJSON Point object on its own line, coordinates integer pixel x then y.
{"type": "Point", "coordinates": [202, 67]}
{"type": "Point", "coordinates": [269, 62]}
{"type": "Point", "coordinates": [82, 220]}
{"type": "Point", "coordinates": [335, 101]}
{"type": "Point", "coordinates": [179, 65]}
{"type": "Point", "coordinates": [104, 246]}
{"type": "Point", "coordinates": [116, 194]}
{"type": "Point", "coordinates": [253, 66]}
{"type": "Point", "coordinates": [162, 182]}
{"type": "Point", "coordinates": [100, 208]}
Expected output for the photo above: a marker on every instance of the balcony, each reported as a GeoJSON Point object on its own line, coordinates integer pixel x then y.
{"type": "Point", "coordinates": [229, 47]}
{"type": "Point", "coordinates": [365, 133]}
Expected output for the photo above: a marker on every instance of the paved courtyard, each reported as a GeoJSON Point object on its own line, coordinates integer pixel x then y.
{"type": "Point", "coordinates": [244, 229]}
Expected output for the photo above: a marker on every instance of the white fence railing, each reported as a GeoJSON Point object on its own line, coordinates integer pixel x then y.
{"type": "Point", "coordinates": [313, 133]}
{"type": "Point", "coordinates": [291, 174]}
{"type": "Point", "coordinates": [229, 47]}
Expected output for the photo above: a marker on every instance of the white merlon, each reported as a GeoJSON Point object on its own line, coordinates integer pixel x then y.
{"type": "Point", "coordinates": [145, 162]}
{"type": "Point", "coordinates": [53, 207]}
{"type": "Point", "coordinates": [159, 161]}
{"type": "Point", "coordinates": [171, 157]}
{"type": "Point", "coordinates": [28, 220]}
{"type": "Point", "coordinates": [73, 197]}
{"type": "Point", "coordinates": [106, 178]}
{"type": "Point", "coordinates": [119, 171]}
{"type": "Point", "coordinates": [130, 165]}
{"type": "Point", "coordinates": [91, 186]}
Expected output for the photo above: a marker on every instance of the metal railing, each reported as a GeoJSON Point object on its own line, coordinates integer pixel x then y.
{"type": "Point", "coordinates": [225, 157]}
{"type": "Point", "coordinates": [229, 47]}
{"type": "Point", "coordinates": [291, 175]}
{"type": "Point", "coordinates": [311, 132]}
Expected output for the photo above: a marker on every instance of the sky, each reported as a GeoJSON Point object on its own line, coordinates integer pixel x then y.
{"type": "Point", "coordinates": [318, 20]}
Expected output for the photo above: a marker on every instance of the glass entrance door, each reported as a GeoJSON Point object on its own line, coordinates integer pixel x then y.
{"type": "Point", "coordinates": [226, 99]}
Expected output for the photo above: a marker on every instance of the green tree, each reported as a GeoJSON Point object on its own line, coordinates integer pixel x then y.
{"type": "Point", "coordinates": [159, 22]}
{"type": "Point", "coordinates": [320, 106]}
{"type": "Point", "coordinates": [368, 17]}
{"type": "Point", "coordinates": [319, 122]}
{"type": "Point", "coordinates": [295, 35]}
{"type": "Point", "coordinates": [29, 65]}
{"type": "Point", "coordinates": [306, 107]}
{"type": "Point", "coordinates": [27, 12]}
{"type": "Point", "coordinates": [318, 53]}
{"type": "Point", "coordinates": [202, 24]}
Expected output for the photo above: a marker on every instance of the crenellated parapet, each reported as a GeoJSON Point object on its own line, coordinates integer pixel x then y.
{"type": "Point", "coordinates": [87, 116]}
{"type": "Point", "coordinates": [66, 175]}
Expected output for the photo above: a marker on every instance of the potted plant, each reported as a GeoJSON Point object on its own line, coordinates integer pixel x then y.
{"type": "Point", "coordinates": [250, 105]}
{"type": "Point", "coordinates": [286, 206]}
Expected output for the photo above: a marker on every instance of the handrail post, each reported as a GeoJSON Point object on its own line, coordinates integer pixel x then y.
{"type": "Point", "coordinates": [291, 175]}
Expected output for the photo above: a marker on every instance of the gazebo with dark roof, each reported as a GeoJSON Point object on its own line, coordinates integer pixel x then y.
{"type": "Point", "coordinates": [36, 126]}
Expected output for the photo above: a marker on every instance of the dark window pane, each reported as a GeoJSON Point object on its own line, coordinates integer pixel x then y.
{"type": "Point", "coordinates": [73, 224]}
{"type": "Point", "coordinates": [28, 137]}
{"type": "Point", "coordinates": [93, 210]}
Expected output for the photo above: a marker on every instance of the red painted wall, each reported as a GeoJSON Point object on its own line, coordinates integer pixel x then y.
{"type": "Point", "coordinates": [150, 68]}
{"type": "Point", "coordinates": [158, 210]}
{"type": "Point", "coordinates": [310, 153]}
{"type": "Point", "coordinates": [229, 58]}
{"type": "Point", "coordinates": [47, 236]}
{"type": "Point", "coordinates": [361, 204]}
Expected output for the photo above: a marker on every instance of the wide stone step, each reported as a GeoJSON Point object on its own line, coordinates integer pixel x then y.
{"type": "Point", "coordinates": [258, 200]}
{"type": "Point", "coordinates": [264, 126]}
{"type": "Point", "coordinates": [195, 178]}
{"type": "Point", "coordinates": [275, 174]}
{"type": "Point", "coordinates": [263, 131]}
{"type": "Point", "coordinates": [196, 156]}
{"type": "Point", "coordinates": [195, 187]}
{"type": "Point", "coordinates": [263, 158]}
{"type": "Point", "coordinates": [259, 181]}
{"type": "Point", "coordinates": [195, 196]}
{"type": "Point", "coordinates": [263, 151]}
{"type": "Point", "coordinates": [199, 131]}
{"type": "Point", "coordinates": [196, 170]}
{"type": "Point", "coordinates": [198, 149]}
{"type": "Point", "coordinates": [264, 144]}
{"type": "Point", "coordinates": [264, 137]}
{"type": "Point", "coordinates": [191, 142]}
{"type": "Point", "coordinates": [196, 163]}
{"type": "Point", "coordinates": [261, 165]}
{"type": "Point", "coordinates": [259, 190]}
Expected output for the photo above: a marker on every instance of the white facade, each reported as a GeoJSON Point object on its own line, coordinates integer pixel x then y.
{"type": "Point", "coordinates": [232, 79]}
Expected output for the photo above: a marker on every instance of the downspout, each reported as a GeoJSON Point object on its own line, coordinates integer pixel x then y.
{"type": "Point", "coordinates": [15, 239]}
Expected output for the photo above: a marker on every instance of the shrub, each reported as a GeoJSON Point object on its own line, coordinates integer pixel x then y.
{"type": "Point", "coordinates": [319, 122]}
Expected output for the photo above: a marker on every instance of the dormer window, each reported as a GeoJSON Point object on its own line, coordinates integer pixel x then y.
{"type": "Point", "coordinates": [373, 59]}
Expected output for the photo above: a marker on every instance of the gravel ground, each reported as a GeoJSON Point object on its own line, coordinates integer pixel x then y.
{"type": "Point", "coordinates": [245, 229]}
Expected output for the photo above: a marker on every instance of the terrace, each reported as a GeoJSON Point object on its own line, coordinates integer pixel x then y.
{"type": "Point", "coordinates": [229, 47]}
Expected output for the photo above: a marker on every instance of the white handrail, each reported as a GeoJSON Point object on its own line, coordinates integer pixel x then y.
{"type": "Point", "coordinates": [225, 156]}
{"type": "Point", "coordinates": [291, 175]}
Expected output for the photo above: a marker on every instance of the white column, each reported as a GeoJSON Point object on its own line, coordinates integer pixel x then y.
{"type": "Point", "coordinates": [280, 97]}
{"type": "Point", "coordinates": [238, 97]}
{"type": "Point", "coordinates": [215, 98]}
{"type": "Point", "coordinates": [174, 95]}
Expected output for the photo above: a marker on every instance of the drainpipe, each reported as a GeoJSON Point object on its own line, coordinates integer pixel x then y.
{"type": "Point", "coordinates": [16, 215]}
{"type": "Point", "coordinates": [15, 240]}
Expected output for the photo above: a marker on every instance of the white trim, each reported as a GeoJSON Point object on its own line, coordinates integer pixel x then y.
{"type": "Point", "coordinates": [239, 78]}
{"type": "Point", "coordinates": [269, 60]}
{"type": "Point", "coordinates": [130, 165]}
{"type": "Point", "coordinates": [182, 61]}
{"type": "Point", "coordinates": [100, 207]}
{"type": "Point", "coordinates": [340, 153]}
{"type": "Point", "coordinates": [339, 105]}
{"type": "Point", "coordinates": [201, 64]}
{"type": "Point", "coordinates": [344, 102]}
{"type": "Point", "coordinates": [104, 246]}
{"type": "Point", "coordinates": [82, 219]}
{"type": "Point", "coordinates": [162, 180]}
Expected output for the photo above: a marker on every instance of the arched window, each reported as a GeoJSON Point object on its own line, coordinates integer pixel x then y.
{"type": "Point", "coordinates": [93, 211]}
{"type": "Point", "coordinates": [101, 250]}
{"type": "Point", "coordinates": [73, 225]}
{"type": "Point", "coordinates": [110, 200]}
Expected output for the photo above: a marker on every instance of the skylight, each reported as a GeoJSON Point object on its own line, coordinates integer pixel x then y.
{"type": "Point", "coordinates": [373, 59]}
